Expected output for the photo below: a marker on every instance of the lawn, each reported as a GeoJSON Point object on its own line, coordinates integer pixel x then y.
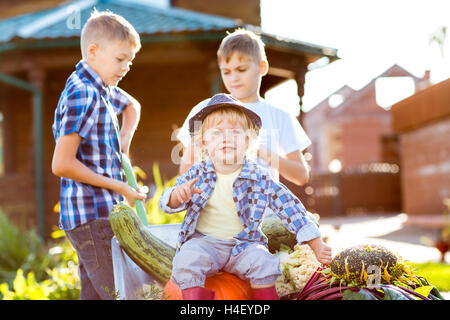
{"type": "Point", "coordinates": [438, 274]}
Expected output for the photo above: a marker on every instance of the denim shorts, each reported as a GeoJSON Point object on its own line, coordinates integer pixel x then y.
{"type": "Point", "coordinates": [92, 242]}
{"type": "Point", "coordinates": [203, 256]}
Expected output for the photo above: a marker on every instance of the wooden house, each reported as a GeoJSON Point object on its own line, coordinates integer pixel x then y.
{"type": "Point", "coordinates": [422, 123]}
{"type": "Point", "coordinates": [355, 130]}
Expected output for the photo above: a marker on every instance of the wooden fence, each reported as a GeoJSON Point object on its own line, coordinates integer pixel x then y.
{"type": "Point", "coordinates": [373, 188]}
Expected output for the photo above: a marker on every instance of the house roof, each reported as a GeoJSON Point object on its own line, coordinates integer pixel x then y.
{"type": "Point", "coordinates": [423, 108]}
{"type": "Point", "coordinates": [149, 20]}
{"type": "Point", "coordinates": [394, 71]}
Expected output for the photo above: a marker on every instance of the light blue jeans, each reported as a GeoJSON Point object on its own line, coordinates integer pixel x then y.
{"type": "Point", "coordinates": [92, 242]}
{"type": "Point", "coordinates": [203, 256]}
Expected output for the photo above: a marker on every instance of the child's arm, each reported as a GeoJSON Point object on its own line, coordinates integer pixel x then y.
{"type": "Point", "coordinates": [175, 199]}
{"type": "Point", "coordinates": [294, 217]}
{"type": "Point", "coordinates": [130, 119]}
{"type": "Point", "coordinates": [183, 193]}
{"type": "Point", "coordinates": [65, 164]}
{"type": "Point", "coordinates": [293, 168]}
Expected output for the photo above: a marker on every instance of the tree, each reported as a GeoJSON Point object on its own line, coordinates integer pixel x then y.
{"type": "Point", "coordinates": [439, 37]}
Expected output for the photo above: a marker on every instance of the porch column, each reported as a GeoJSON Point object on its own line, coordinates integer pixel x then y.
{"type": "Point", "coordinates": [300, 79]}
{"type": "Point", "coordinates": [37, 79]}
{"type": "Point", "coordinates": [215, 79]}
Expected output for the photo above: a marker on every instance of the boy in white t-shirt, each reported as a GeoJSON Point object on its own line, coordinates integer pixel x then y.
{"type": "Point", "coordinates": [243, 63]}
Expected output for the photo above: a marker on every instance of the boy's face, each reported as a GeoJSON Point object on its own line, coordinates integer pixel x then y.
{"type": "Point", "coordinates": [242, 75]}
{"type": "Point", "coordinates": [111, 60]}
{"type": "Point", "coordinates": [226, 142]}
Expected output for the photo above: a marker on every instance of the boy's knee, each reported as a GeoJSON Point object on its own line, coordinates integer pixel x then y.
{"type": "Point", "coordinates": [258, 265]}
{"type": "Point", "coordinates": [195, 257]}
{"type": "Point", "coordinates": [191, 266]}
{"type": "Point", "coordinates": [263, 260]}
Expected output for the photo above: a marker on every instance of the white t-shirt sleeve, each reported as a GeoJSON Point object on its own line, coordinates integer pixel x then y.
{"type": "Point", "coordinates": [183, 133]}
{"type": "Point", "coordinates": [292, 135]}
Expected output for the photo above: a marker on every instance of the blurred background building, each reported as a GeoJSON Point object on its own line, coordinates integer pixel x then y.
{"type": "Point", "coordinates": [175, 69]}
{"type": "Point", "coordinates": [422, 123]}
{"type": "Point", "coordinates": [371, 153]}
{"type": "Point", "coordinates": [355, 153]}
{"type": "Point", "coordinates": [351, 126]}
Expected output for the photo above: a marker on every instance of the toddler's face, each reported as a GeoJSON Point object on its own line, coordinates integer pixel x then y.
{"type": "Point", "coordinates": [112, 60]}
{"type": "Point", "coordinates": [226, 142]}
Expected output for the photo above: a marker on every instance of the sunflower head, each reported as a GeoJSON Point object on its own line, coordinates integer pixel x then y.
{"type": "Point", "coordinates": [355, 264]}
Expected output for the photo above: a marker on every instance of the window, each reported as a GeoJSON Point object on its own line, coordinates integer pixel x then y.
{"type": "Point", "coordinates": [335, 100]}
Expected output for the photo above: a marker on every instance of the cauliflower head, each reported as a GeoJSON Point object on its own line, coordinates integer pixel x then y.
{"type": "Point", "coordinates": [297, 267]}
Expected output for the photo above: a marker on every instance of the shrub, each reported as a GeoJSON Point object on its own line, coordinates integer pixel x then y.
{"type": "Point", "coordinates": [21, 248]}
{"type": "Point", "coordinates": [32, 269]}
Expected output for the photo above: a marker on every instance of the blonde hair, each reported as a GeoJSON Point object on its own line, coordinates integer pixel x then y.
{"type": "Point", "coordinates": [243, 42]}
{"type": "Point", "coordinates": [105, 25]}
{"type": "Point", "coordinates": [234, 116]}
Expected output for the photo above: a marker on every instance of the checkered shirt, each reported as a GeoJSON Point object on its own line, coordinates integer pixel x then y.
{"type": "Point", "coordinates": [82, 109]}
{"type": "Point", "coordinates": [253, 191]}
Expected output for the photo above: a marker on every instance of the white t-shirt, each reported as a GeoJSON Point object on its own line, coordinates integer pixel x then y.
{"type": "Point", "coordinates": [281, 132]}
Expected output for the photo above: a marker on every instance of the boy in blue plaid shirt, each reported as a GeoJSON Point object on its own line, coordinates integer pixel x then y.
{"type": "Point", "coordinates": [225, 197]}
{"type": "Point", "coordinates": [88, 146]}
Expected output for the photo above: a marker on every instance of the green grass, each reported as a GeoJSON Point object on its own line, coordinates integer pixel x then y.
{"type": "Point", "coordinates": [438, 274]}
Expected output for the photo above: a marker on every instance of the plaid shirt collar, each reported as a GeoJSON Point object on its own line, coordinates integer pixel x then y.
{"type": "Point", "coordinates": [84, 71]}
{"type": "Point", "coordinates": [250, 170]}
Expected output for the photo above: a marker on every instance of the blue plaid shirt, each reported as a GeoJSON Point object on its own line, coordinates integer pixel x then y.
{"type": "Point", "coordinates": [82, 109]}
{"type": "Point", "coordinates": [253, 191]}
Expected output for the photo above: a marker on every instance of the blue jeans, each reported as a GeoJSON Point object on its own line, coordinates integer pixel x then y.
{"type": "Point", "coordinates": [92, 242]}
{"type": "Point", "coordinates": [203, 256]}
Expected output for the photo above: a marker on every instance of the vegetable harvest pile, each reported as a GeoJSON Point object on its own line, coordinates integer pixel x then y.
{"type": "Point", "coordinates": [364, 272]}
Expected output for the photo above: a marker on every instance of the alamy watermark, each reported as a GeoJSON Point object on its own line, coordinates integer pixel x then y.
{"type": "Point", "coordinates": [373, 277]}
{"type": "Point", "coordinates": [265, 145]}
{"type": "Point", "coordinates": [73, 21]}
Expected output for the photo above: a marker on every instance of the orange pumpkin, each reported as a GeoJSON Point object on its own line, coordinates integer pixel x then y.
{"type": "Point", "coordinates": [226, 286]}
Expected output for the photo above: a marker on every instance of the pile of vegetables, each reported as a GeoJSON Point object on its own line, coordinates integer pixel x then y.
{"type": "Point", "coordinates": [367, 272]}
{"type": "Point", "coordinates": [363, 272]}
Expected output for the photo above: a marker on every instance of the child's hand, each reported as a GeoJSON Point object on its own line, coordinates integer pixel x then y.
{"type": "Point", "coordinates": [131, 195]}
{"type": "Point", "coordinates": [183, 193]}
{"type": "Point", "coordinates": [321, 250]}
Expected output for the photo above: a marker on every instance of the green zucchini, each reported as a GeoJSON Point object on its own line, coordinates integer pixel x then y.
{"type": "Point", "coordinates": [132, 182]}
{"type": "Point", "coordinates": [150, 253]}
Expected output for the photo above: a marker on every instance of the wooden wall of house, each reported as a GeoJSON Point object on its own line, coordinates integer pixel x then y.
{"type": "Point", "coordinates": [425, 163]}
{"type": "Point", "coordinates": [16, 184]}
{"type": "Point", "coordinates": [422, 123]}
